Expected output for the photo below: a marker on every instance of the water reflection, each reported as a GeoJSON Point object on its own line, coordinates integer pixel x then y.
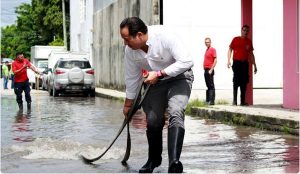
{"type": "Point", "coordinates": [61, 128]}
{"type": "Point", "coordinates": [291, 156]}
{"type": "Point", "coordinates": [21, 127]}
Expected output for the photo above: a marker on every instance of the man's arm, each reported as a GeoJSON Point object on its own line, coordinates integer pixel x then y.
{"type": "Point", "coordinates": [15, 71]}
{"type": "Point", "coordinates": [127, 105]}
{"type": "Point", "coordinates": [33, 68]}
{"type": "Point", "coordinates": [229, 57]}
{"type": "Point", "coordinates": [213, 66]}
{"type": "Point", "coordinates": [253, 61]}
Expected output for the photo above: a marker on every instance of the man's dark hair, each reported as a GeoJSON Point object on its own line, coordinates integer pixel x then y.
{"type": "Point", "coordinates": [134, 25]}
{"type": "Point", "coordinates": [246, 26]}
{"type": "Point", "coordinates": [19, 53]}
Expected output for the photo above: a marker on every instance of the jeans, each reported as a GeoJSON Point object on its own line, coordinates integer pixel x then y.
{"type": "Point", "coordinates": [19, 88]}
{"type": "Point", "coordinates": [12, 78]}
{"type": "Point", "coordinates": [5, 81]}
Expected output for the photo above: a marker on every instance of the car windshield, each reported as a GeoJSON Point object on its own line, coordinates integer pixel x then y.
{"type": "Point", "coordinates": [42, 64]}
{"type": "Point", "coordinates": [74, 63]}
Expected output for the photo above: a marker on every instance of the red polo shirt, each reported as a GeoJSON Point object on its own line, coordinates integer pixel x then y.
{"type": "Point", "coordinates": [209, 57]}
{"type": "Point", "coordinates": [241, 48]}
{"type": "Point", "coordinates": [22, 75]}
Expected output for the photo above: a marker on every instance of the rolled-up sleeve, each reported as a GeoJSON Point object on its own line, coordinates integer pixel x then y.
{"type": "Point", "coordinates": [183, 60]}
{"type": "Point", "coordinates": [133, 76]}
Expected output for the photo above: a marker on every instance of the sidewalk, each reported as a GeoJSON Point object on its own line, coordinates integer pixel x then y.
{"type": "Point", "coordinates": [266, 113]}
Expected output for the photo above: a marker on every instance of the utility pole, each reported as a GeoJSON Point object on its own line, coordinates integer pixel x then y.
{"type": "Point", "coordinates": [64, 24]}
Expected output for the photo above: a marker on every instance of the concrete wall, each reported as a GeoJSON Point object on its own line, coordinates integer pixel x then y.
{"type": "Point", "coordinates": [108, 47]}
{"type": "Point", "coordinates": [291, 54]}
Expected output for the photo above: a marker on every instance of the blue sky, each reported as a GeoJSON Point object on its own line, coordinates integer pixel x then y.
{"type": "Point", "coordinates": [8, 7]}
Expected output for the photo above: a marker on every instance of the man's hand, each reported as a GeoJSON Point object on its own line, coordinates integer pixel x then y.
{"type": "Point", "coordinates": [151, 78]}
{"type": "Point", "coordinates": [210, 71]}
{"type": "Point", "coordinates": [127, 105]}
{"type": "Point", "coordinates": [228, 64]}
{"type": "Point", "coordinates": [255, 69]}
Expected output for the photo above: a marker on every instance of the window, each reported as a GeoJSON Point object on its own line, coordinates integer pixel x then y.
{"type": "Point", "coordinates": [74, 63]}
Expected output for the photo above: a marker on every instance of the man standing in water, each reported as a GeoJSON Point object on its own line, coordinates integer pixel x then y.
{"type": "Point", "coordinates": [21, 81]}
{"type": "Point", "coordinates": [164, 56]}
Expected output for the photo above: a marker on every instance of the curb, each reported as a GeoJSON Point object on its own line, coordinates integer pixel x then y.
{"type": "Point", "coordinates": [259, 121]}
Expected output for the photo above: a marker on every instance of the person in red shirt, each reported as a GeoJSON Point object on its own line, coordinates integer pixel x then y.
{"type": "Point", "coordinates": [242, 49]}
{"type": "Point", "coordinates": [209, 63]}
{"type": "Point", "coordinates": [19, 68]}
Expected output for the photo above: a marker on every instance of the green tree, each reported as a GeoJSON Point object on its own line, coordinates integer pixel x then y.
{"type": "Point", "coordinates": [38, 23]}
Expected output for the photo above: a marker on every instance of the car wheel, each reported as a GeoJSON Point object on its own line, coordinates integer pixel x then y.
{"type": "Point", "coordinates": [92, 93]}
{"type": "Point", "coordinates": [43, 87]}
{"type": "Point", "coordinates": [32, 85]}
{"type": "Point", "coordinates": [50, 91]}
{"type": "Point", "coordinates": [55, 92]}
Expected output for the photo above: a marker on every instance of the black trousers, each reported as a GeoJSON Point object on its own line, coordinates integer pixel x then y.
{"type": "Point", "coordinates": [240, 79]}
{"type": "Point", "coordinates": [19, 88]}
{"type": "Point", "coordinates": [209, 79]}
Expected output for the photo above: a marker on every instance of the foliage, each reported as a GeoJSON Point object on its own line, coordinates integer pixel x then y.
{"type": "Point", "coordinates": [38, 23]}
{"type": "Point", "coordinates": [194, 103]}
{"type": "Point", "coordinates": [57, 42]}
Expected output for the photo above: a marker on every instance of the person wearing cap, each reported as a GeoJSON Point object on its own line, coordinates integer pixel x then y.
{"type": "Point", "coordinates": [21, 81]}
{"type": "Point", "coordinates": [160, 52]}
{"type": "Point", "coordinates": [5, 74]}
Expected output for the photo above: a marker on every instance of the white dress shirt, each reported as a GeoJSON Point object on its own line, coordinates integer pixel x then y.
{"type": "Point", "coordinates": [166, 52]}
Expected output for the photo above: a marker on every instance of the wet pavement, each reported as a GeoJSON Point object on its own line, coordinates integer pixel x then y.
{"type": "Point", "coordinates": [51, 138]}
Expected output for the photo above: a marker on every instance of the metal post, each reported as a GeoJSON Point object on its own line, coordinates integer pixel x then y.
{"type": "Point", "coordinates": [64, 23]}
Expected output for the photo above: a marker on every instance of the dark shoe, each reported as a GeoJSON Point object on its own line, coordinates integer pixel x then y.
{"type": "Point", "coordinates": [154, 151]}
{"type": "Point", "coordinates": [244, 104]}
{"type": "Point", "coordinates": [149, 166]}
{"type": "Point", "coordinates": [175, 141]}
{"type": "Point", "coordinates": [20, 106]}
{"type": "Point", "coordinates": [175, 167]}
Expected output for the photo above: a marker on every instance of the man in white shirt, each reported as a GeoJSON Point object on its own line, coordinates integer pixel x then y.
{"type": "Point", "coordinates": [168, 63]}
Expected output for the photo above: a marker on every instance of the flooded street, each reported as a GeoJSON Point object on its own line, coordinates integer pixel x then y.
{"type": "Point", "coordinates": [58, 130]}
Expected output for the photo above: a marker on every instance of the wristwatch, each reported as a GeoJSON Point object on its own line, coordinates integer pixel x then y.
{"type": "Point", "coordinates": [159, 75]}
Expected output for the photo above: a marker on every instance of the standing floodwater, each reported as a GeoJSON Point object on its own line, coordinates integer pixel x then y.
{"type": "Point", "coordinates": [51, 138]}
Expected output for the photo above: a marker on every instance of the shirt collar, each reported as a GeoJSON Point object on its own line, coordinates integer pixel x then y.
{"type": "Point", "coordinates": [150, 40]}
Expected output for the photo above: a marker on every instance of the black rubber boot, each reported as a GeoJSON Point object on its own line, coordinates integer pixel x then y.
{"type": "Point", "coordinates": [28, 106]}
{"type": "Point", "coordinates": [175, 141]}
{"type": "Point", "coordinates": [154, 151]}
{"type": "Point", "coordinates": [20, 106]}
{"type": "Point", "coordinates": [211, 97]}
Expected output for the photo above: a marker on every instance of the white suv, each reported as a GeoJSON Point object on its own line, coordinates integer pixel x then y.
{"type": "Point", "coordinates": [72, 75]}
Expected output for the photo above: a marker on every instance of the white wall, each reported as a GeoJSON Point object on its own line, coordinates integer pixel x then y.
{"type": "Point", "coordinates": [194, 19]}
{"type": "Point", "coordinates": [81, 16]}
{"type": "Point", "coordinates": [221, 21]}
{"type": "Point", "coordinates": [268, 42]}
